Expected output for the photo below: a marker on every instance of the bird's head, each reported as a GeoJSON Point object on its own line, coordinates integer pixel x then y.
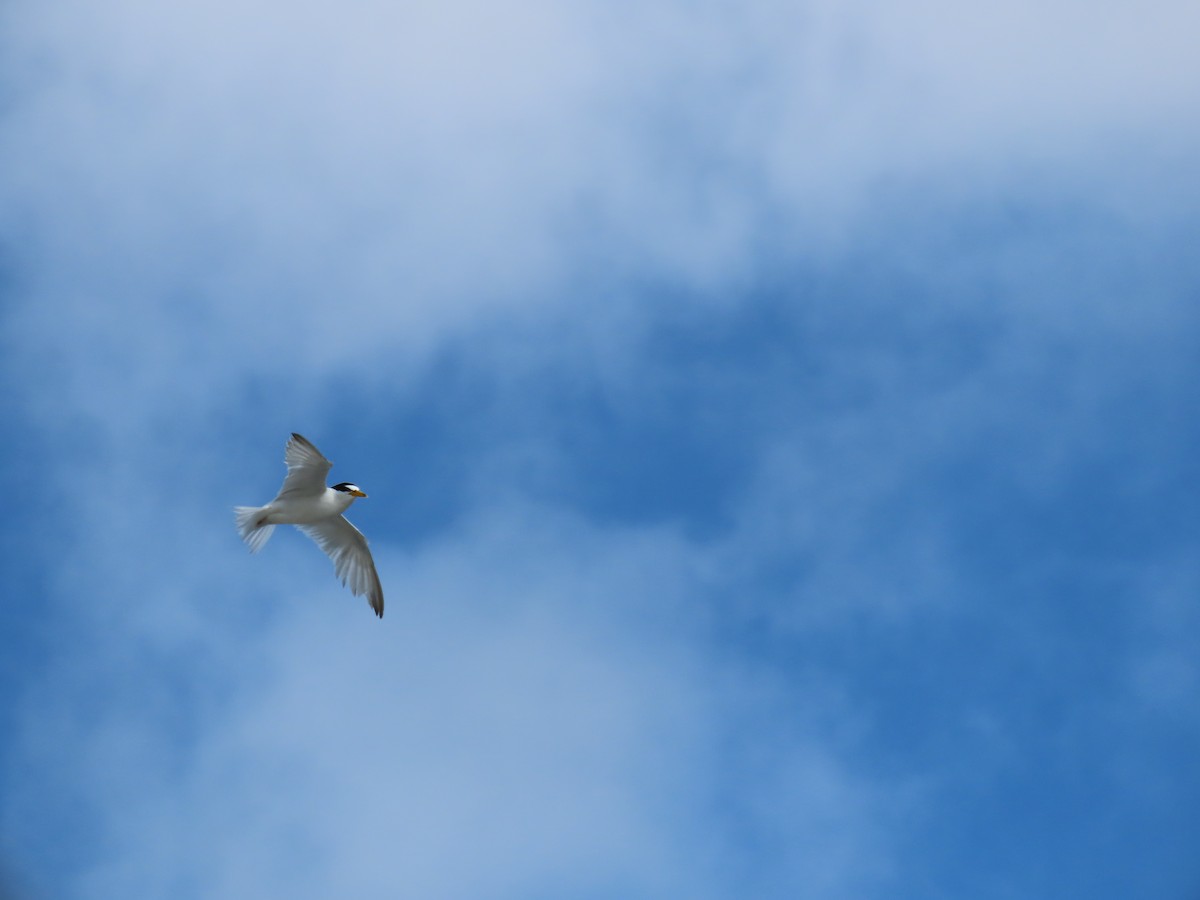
{"type": "Point", "coordinates": [347, 488]}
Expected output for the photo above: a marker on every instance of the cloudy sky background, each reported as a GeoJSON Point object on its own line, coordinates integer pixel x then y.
{"type": "Point", "coordinates": [779, 421]}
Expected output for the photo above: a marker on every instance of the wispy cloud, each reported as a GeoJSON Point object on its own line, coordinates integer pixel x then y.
{"type": "Point", "coordinates": [502, 742]}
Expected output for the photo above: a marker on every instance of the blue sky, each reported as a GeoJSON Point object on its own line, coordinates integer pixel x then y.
{"type": "Point", "coordinates": [778, 419]}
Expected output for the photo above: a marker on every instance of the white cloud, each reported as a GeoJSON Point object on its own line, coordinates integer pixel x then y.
{"type": "Point", "coordinates": [400, 171]}
{"type": "Point", "coordinates": [533, 715]}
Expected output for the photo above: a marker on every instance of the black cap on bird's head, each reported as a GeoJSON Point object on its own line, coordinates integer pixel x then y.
{"type": "Point", "coordinates": [347, 488]}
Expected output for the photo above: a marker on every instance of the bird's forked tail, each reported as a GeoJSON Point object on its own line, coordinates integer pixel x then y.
{"type": "Point", "coordinates": [247, 524]}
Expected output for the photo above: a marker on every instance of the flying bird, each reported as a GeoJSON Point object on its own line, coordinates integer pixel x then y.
{"type": "Point", "coordinates": [306, 502]}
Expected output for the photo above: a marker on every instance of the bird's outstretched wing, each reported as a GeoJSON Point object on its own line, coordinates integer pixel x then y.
{"type": "Point", "coordinates": [307, 469]}
{"type": "Point", "coordinates": [346, 546]}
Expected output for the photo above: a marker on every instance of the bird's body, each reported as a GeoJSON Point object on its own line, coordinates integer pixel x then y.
{"type": "Point", "coordinates": [306, 502]}
{"type": "Point", "coordinates": [307, 510]}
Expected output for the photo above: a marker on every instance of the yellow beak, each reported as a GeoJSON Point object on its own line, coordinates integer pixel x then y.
{"type": "Point", "coordinates": [357, 494]}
